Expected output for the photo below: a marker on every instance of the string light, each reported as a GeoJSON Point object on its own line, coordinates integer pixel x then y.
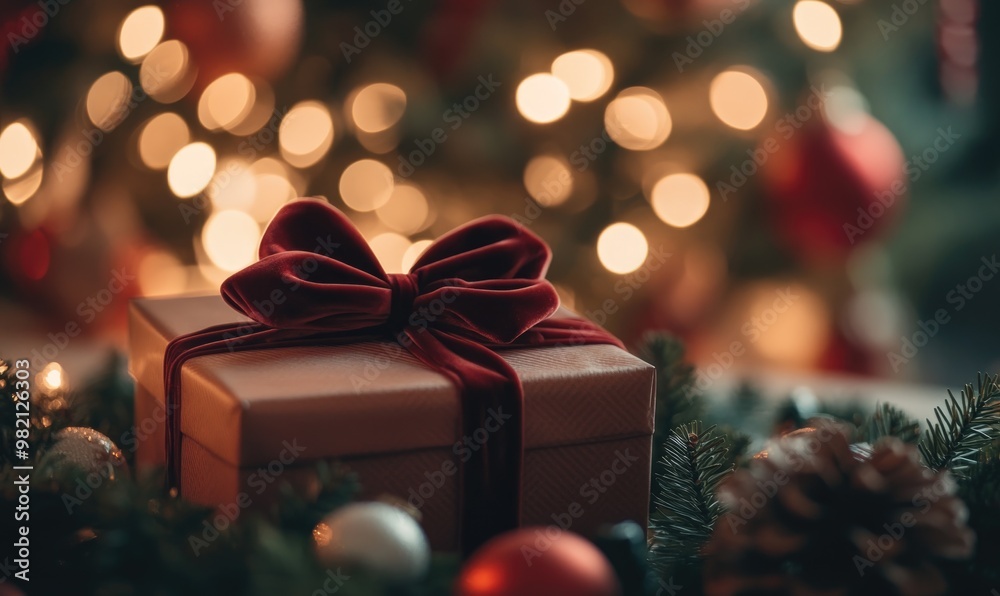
{"type": "Point", "coordinates": [622, 248]}
{"type": "Point", "coordinates": [18, 150]}
{"type": "Point", "coordinates": [234, 186]}
{"type": "Point", "coordinates": [366, 185]}
{"type": "Point", "coordinates": [817, 24]}
{"type": "Point", "coordinates": [738, 99]}
{"type": "Point", "coordinates": [680, 200]}
{"type": "Point", "coordinates": [107, 98]}
{"type": "Point", "coordinates": [230, 239]}
{"type": "Point", "coordinates": [20, 190]}
{"type": "Point", "coordinates": [166, 73]}
{"type": "Point", "coordinates": [139, 33]}
{"type": "Point", "coordinates": [191, 169]}
{"type": "Point", "coordinates": [638, 119]}
{"type": "Point", "coordinates": [160, 138]}
{"type": "Point", "coordinates": [306, 133]}
{"type": "Point", "coordinates": [413, 253]}
{"type": "Point", "coordinates": [161, 274]}
{"type": "Point", "coordinates": [588, 74]}
{"type": "Point", "coordinates": [406, 210]}
{"type": "Point", "coordinates": [548, 180]}
{"type": "Point", "coordinates": [226, 102]}
{"type": "Point", "coordinates": [377, 107]}
{"type": "Point", "coordinates": [542, 98]}
{"type": "Point", "coordinates": [390, 248]}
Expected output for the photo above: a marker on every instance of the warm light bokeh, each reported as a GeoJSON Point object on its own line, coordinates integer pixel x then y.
{"type": "Point", "coordinates": [817, 24]}
{"type": "Point", "coordinates": [542, 98]}
{"type": "Point", "coordinates": [738, 99]}
{"type": "Point", "coordinates": [139, 33]}
{"type": "Point", "coordinates": [680, 200]}
{"type": "Point", "coordinates": [366, 185]}
{"type": "Point", "coordinates": [588, 74]}
{"type": "Point", "coordinates": [161, 137]}
{"type": "Point", "coordinates": [306, 133]}
{"type": "Point", "coordinates": [622, 248]}
{"type": "Point", "coordinates": [638, 119]}
{"type": "Point", "coordinates": [191, 169]}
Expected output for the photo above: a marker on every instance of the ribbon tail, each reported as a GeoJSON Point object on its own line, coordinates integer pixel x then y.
{"type": "Point", "coordinates": [492, 454]}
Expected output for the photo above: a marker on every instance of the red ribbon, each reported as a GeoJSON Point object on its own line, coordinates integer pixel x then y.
{"type": "Point", "coordinates": [478, 288]}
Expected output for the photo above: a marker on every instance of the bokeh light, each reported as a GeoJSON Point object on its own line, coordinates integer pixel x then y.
{"type": "Point", "coordinates": [622, 248]}
{"type": "Point", "coordinates": [160, 138]}
{"type": "Point", "coordinates": [226, 102]}
{"type": "Point", "coordinates": [738, 99]}
{"type": "Point", "coordinates": [406, 210]}
{"type": "Point", "coordinates": [680, 200]}
{"type": "Point", "coordinates": [366, 185]}
{"type": "Point", "coordinates": [390, 248]}
{"type": "Point", "coordinates": [588, 74]}
{"type": "Point", "coordinates": [413, 253]}
{"type": "Point", "coordinates": [796, 332]}
{"type": "Point", "coordinates": [18, 150]}
{"type": "Point", "coordinates": [191, 169]}
{"type": "Point", "coordinates": [230, 239]}
{"type": "Point", "coordinates": [817, 24]}
{"type": "Point", "coordinates": [234, 186]}
{"type": "Point", "coordinates": [549, 180]}
{"type": "Point", "coordinates": [542, 98]}
{"type": "Point", "coordinates": [306, 133]}
{"type": "Point", "coordinates": [20, 190]}
{"type": "Point", "coordinates": [161, 274]}
{"type": "Point", "coordinates": [638, 119]}
{"type": "Point", "coordinates": [167, 73]}
{"type": "Point", "coordinates": [139, 33]}
{"type": "Point", "coordinates": [377, 107]}
{"type": "Point", "coordinates": [107, 98]}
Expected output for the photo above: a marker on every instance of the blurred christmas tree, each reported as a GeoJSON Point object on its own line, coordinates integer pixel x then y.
{"type": "Point", "coordinates": [698, 165]}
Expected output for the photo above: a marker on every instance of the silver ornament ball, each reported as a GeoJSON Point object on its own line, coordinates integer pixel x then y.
{"type": "Point", "coordinates": [377, 536]}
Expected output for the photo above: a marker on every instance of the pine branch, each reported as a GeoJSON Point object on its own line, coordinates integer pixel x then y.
{"type": "Point", "coordinates": [677, 402]}
{"type": "Point", "coordinates": [695, 461]}
{"type": "Point", "coordinates": [889, 421]}
{"type": "Point", "coordinates": [964, 428]}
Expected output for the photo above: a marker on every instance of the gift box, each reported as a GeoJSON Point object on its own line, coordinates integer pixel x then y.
{"type": "Point", "coordinates": [253, 419]}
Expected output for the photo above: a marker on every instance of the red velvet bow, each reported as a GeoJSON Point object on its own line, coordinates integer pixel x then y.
{"type": "Point", "coordinates": [474, 290]}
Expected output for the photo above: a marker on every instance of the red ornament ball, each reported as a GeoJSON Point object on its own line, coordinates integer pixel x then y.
{"type": "Point", "coordinates": [253, 37]}
{"type": "Point", "coordinates": [833, 188]}
{"type": "Point", "coordinates": [537, 561]}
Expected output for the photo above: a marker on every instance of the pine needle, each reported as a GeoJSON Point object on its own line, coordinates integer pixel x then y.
{"type": "Point", "coordinates": [963, 428]}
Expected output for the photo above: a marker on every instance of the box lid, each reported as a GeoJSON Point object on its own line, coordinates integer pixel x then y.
{"type": "Point", "coordinates": [371, 397]}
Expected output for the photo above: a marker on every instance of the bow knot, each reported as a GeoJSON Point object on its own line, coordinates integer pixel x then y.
{"type": "Point", "coordinates": [404, 291]}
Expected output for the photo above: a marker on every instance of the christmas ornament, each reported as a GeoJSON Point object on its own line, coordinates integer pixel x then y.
{"type": "Point", "coordinates": [377, 536]}
{"type": "Point", "coordinates": [832, 188]}
{"type": "Point", "coordinates": [253, 37]}
{"type": "Point", "coordinates": [84, 449]}
{"type": "Point", "coordinates": [814, 518]}
{"type": "Point", "coordinates": [538, 560]}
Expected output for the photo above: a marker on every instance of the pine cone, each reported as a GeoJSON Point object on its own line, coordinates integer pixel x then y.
{"type": "Point", "coordinates": [811, 517]}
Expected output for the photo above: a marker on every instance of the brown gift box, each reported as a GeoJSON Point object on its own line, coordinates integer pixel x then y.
{"type": "Point", "coordinates": [251, 420]}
